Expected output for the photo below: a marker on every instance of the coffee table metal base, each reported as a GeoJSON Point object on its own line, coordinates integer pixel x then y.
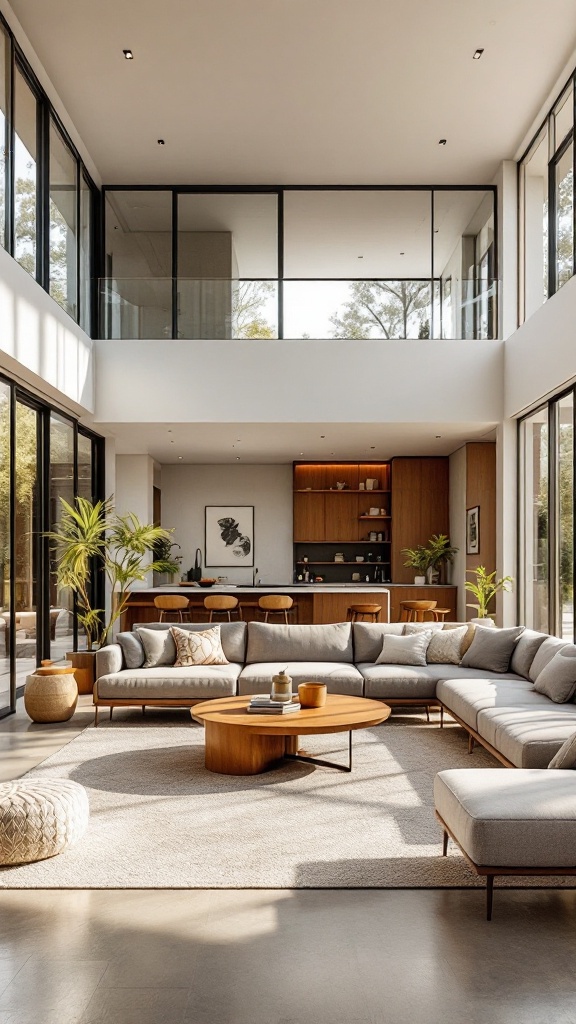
{"type": "Point", "coordinates": [325, 764]}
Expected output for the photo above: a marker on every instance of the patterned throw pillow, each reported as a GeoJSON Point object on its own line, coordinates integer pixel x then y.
{"type": "Point", "coordinates": [199, 648]}
{"type": "Point", "coordinates": [445, 647]}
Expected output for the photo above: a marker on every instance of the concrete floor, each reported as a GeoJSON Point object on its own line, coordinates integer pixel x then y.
{"type": "Point", "coordinates": [277, 957]}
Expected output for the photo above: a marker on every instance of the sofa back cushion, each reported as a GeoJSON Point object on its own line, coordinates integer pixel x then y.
{"type": "Point", "coordinates": [544, 654]}
{"type": "Point", "coordinates": [232, 635]}
{"type": "Point", "coordinates": [368, 637]}
{"type": "Point", "coordinates": [159, 647]}
{"type": "Point", "coordinates": [133, 653]}
{"type": "Point", "coordinates": [557, 680]}
{"type": "Point", "coordinates": [492, 648]}
{"type": "Point", "coordinates": [269, 641]}
{"type": "Point", "coordinates": [525, 652]}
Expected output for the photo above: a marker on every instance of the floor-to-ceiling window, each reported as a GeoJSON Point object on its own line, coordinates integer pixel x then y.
{"type": "Point", "coordinates": [26, 200]}
{"type": "Point", "coordinates": [546, 517]}
{"type": "Point", "coordinates": [44, 457]}
{"type": "Point", "coordinates": [63, 244]}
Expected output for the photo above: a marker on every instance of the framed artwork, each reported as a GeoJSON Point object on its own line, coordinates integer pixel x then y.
{"type": "Point", "coordinates": [473, 530]}
{"type": "Point", "coordinates": [229, 535]}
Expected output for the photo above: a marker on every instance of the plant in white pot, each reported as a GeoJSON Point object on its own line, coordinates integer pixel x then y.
{"type": "Point", "coordinates": [484, 587]}
{"type": "Point", "coordinates": [440, 553]}
{"type": "Point", "coordinates": [92, 536]}
{"type": "Point", "coordinates": [417, 558]}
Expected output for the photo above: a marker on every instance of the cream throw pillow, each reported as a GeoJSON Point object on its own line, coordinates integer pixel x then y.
{"type": "Point", "coordinates": [198, 648]}
{"type": "Point", "coordinates": [404, 650]}
{"type": "Point", "coordinates": [445, 647]}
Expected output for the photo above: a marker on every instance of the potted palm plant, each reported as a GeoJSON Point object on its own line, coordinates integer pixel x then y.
{"type": "Point", "coordinates": [484, 587]}
{"type": "Point", "coordinates": [441, 552]}
{"type": "Point", "coordinates": [417, 558]}
{"type": "Point", "coordinates": [92, 536]}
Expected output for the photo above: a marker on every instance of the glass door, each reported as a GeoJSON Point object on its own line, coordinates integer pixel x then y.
{"type": "Point", "coordinates": [7, 689]}
{"type": "Point", "coordinates": [27, 526]}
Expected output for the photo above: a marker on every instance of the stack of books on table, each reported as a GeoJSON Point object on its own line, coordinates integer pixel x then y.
{"type": "Point", "coordinates": [262, 704]}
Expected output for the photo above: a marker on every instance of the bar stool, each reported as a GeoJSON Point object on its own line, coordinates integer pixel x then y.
{"type": "Point", "coordinates": [413, 611]}
{"type": "Point", "coordinates": [364, 613]}
{"type": "Point", "coordinates": [440, 614]}
{"type": "Point", "coordinates": [172, 604]}
{"type": "Point", "coordinates": [220, 604]}
{"type": "Point", "coordinates": [276, 604]}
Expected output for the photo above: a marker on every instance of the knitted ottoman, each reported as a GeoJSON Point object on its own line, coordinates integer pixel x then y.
{"type": "Point", "coordinates": [40, 818]}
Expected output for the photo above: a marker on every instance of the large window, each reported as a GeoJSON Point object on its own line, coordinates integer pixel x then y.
{"type": "Point", "coordinates": [63, 226]}
{"type": "Point", "coordinates": [6, 690]}
{"type": "Point", "coordinates": [546, 474]}
{"type": "Point", "coordinates": [5, 56]}
{"type": "Point", "coordinates": [25, 173]}
{"type": "Point", "coordinates": [546, 207]}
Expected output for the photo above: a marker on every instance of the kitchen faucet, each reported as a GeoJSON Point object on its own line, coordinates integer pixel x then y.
{"type": "Point", "coordinates": [254, 575]}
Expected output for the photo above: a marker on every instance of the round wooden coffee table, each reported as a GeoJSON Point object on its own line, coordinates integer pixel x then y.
{"type": "Point", "coordinates": [239, 743]}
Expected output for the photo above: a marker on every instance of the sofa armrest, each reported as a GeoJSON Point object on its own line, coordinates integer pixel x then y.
{"type": "Point", "coordinates": [108, 660]}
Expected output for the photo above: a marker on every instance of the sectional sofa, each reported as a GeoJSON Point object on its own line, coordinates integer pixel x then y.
{"type": "Point", "coordinates": [502, 710]}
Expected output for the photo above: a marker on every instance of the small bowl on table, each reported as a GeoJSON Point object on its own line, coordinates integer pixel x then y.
{"type": "Point", "coordinates": [207, 583]}
{"type": "Point", "coordinates": [312, 695]}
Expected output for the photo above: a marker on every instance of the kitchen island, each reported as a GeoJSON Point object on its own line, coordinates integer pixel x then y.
{"type": "Point", "coordinates": [317, 602]}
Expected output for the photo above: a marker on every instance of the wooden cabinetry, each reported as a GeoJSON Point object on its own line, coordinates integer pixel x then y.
{"type": "Point", "coordinates": [420, 507]}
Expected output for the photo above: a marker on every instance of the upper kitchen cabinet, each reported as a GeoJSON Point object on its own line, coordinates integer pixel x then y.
{"type": "Point", "coordinates": [420, 507]}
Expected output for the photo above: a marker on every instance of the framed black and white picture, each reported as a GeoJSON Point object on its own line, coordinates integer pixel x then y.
{"type": "Point", "coordinates": [229, 535]}
{"type": "Point", "coordinates": [473, 530]}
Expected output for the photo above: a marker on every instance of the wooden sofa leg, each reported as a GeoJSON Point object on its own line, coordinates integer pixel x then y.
{"type": "Point", "coordinates": [445, 839]}
{"type": "Point", "coordinates": [143, 709]}
{"type": "Point", "coordinates": [111, 711]}
{"type": "Point", "coordinates": [427, 713]}
{"type": "Point", "coordinates": [471, 743]}
{"type": "Point", "coordinates": [95, 715]}
{"type": "Point", "coordinates": [489, 896]}
{"type": "Point", "coordinates": [441, 716]}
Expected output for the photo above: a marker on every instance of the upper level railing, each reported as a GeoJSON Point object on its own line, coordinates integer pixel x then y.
{"type": "Point", "coordinates": [226, 308]}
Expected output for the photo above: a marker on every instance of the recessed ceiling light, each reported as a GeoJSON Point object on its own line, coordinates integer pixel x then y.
{"type": "Point", "coordinates": [161, 142]}
{"type": "Point", "coordinates": [372, 447]}
{"type": "Point", "coordinates": [301, 453]}
{"type": "Point", "coordinates": [442, 142]}
{"type": "Point", "coordinates": [322, 435]}
{"type": "Point", "coordinates": [172, 442]}
{"type": "Point", "coordinates": [237, 458]}
{"type": "Point", "coordinates": [477, 54]}
{"type": "Point", "coordinates": [169, 431]}
{"type": "Point", "coordinates": [332, 453]}
{"type": "Point", "coordinates": [128, 54]}
{"type": "Point", "coordinates": [438, 436]}
{"type": "Point", "coordinates": [402, 253]}
{"type": "Point", "coordinates": [180, 457]}
{"type": "Point", "coordinates": [436, 230]}
{"type": "Point", "coordinates": [360, 257]}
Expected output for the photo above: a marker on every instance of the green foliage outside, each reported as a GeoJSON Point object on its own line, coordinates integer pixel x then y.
{"type": "Point", "coordinates": [384, 309]}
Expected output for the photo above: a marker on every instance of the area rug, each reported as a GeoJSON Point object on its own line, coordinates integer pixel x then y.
{"type": "Point", "coordinates": [158, 819]}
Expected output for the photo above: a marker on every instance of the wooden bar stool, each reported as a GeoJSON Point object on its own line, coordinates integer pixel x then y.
{"type": "Point", "coordinates": [364, 613]}
{"type": "Point", "coordinates": [220, 604]}
{"type": "Point", "coordinates": [276, 604]}
{"type": "Point", "coordinates": [440, 614]}
{"type": "Point", "coordinates": [413, 611]}
{"type": "Point", "coordinates": [172, 604]}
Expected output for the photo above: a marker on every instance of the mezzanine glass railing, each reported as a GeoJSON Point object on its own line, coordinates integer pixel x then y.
{"type": "Point", "coordinates": [230, 308]}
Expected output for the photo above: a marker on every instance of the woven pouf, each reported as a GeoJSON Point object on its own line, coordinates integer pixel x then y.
{"type": "Point", "coordinates": [40, 818]}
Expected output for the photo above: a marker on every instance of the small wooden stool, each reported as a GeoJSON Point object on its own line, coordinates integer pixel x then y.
{"type": "Point", "coordinates": [440, 614]}
{"type": "Point", "coordinates": [413, 611]}
{"type": "Point", "coordinates": [364, 612]}
{"type": "Point", "coordinates": [172, 604]}
{"type": "Point", "coordinates": [276, 604]}
{"type": "Point", "coordinates": [221, 604]}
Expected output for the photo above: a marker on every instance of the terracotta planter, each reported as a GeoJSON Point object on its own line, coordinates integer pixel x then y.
{"type": "Point", "coordinates": [84, 664]}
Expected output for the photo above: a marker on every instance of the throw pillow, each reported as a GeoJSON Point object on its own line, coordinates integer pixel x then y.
{"type": "Point", "coordinates": [445, 647]}
{"type": "Point", "coordinates": [566, 756]}
{"type": "Point", "coordinates": [558, 679]}
{"type": "Point", "coordinates": [467, 639]}
{"type": "Point", "coordinates": [417, 627]}
{"type": "Point", "coordinates": [525, 651]}
{"type": "Point", "coordinates": [203, 647]}
{"type": "Point", "coordinates": [159, 647]}
{"type": "Point", "coordinates": [133, 651]}
{"type": "Point", "coordinates": [404, 650]}
{"type": "Point", "coordinates": [491, 649]}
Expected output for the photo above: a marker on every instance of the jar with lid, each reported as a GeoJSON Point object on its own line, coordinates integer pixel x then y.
{"type": "Point", "coordinates": [281, 687]}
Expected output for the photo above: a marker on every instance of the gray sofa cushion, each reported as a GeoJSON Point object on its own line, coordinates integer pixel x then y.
{"type": "Point", "coordinates": [270, 642]}
{"type": "Point", "coordinates": [399, 682]}
{"type": "Point", "coordinates": [465, 697]}
{"type": "Point", "coordinates": [566, 756]}
{"type": "Point", "coordinates": [133, 653]}
{"type": "Point", "coordinates": [491, 649]}
{"type": "Point", "coordinates": [507, 818]}
{"type": "Point", "coordinates": [544, 654]}
{"type": "Point", "coordinates": [557, 680]}
{"type": "Point", "coordinates": [159, 647]}
{"type": "Point", "coordinates": [368, 637]}
{"type": "Point", "coordinates": [527, 736]}
{"type": "Point", "coordinates": [108, 660]}
{"type": "Point", "coordinates": [163, 683]}
{"type": "Point", "coordinates": [232, 634]}
{"type": "Point", "coordinates": [525, 651]}
{"type": "Point", "coordinates": [339, 677]}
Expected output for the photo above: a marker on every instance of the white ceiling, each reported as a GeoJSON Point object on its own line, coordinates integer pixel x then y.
{"type": "Point", "coordinates": [301, 91]}
{"type": "Point", "coordinates": [224, 443]}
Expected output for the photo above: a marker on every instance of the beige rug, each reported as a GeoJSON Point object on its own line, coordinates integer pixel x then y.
{"type": "Point", "coordinates": [159, 819]}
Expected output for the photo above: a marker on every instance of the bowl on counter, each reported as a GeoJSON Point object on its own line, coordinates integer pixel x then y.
{"type": "Point", "coordinates": [207, 583]}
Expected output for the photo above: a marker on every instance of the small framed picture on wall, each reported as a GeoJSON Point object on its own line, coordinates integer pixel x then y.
{"type": "Point", "coordinates": [473, 530]}
{"type": "Point", "coordinates": [229, 535]}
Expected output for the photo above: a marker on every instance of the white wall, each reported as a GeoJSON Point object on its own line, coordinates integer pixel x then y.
{"type": "Point", "coordinates": [187, 489]}
{"type": "Point", "coordinates": [40, 343]}
{"type": "Point", "coordinates": [458, 526]}
{"type": "Point", "coordinates": [293, 381]}
{"type": "Point", "coordinates": [134, 483]}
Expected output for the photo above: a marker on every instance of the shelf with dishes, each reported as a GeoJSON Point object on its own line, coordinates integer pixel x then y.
{"type": "Point", "coordinates": [313, 561]}
{"type": "Point", "coordinates": [340, 490]}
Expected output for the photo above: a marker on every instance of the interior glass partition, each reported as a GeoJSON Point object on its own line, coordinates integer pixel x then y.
{"type": "Point", "coordinates": [465, 264]}
{"type": "Point", "coordinates": [534, 520]}
{"type": "Point", "coordinates": [27, 525]}
{"type": "Point", "coordinates": [85, 244]}
{"type": "Point", "coordinates": [564, 216]}
{"type": "Point", "coordinates": [564, 469]}
{"type": "Point", "coordinates": [61, 485]}
{"type": "Point", "coordinates": [63, 226]}
{"type": "Point", "coordinates": [6, 691]}
{"type": "Point", "coordinates": [5, 60]}
{"type": "Point", "coordinates": [25, 173]}
{"type": "Point", "coordinates": [534, 224]}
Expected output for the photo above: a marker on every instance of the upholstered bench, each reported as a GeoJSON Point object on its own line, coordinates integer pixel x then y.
{"type": "Point", "coordinates": [509, 821]}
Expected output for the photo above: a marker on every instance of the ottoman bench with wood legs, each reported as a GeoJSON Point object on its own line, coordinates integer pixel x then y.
{"type": "Point", "coordinates": [509, 821]}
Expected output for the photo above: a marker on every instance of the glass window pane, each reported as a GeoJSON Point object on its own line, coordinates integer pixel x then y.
{"type": "Point", "coordinates": [85, 242]}
{"type": "Point", "coordinates": [534, 225]}
{"type": "Point", "coordinates": [61, 486]}
{"type": "Point", "coordinates": [357, 309]}
{"type": "Point", "coordinates": [563, 117]}
{"type": "Point", "coordinates": [63, 228]}
{"type": "Point", "coordinates": [564, 206]}
{"type": "Point", "coordinates": [4, 545]}
{"type": "Point", "coordinates": [25, 173]}
{"type": "Point", "coordinates": [85, 467]}
{"type": "Point", "coordinates": [565, 520]}
{"type": "Point", "coordinates": [26, 526]}
{"type": "Point", "coordinates": [464, 264]}
{"type": "Point", "coordinates": [534, 520]}
{"type": "Point", "coordinates": [227, 265]}
{"type": "Point", "coordinates": [137, 291]}
{"type": "Point", "coordinates": [4, 73]}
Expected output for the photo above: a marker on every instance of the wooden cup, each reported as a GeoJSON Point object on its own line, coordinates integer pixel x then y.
{"type": "Point", "coordinates": [312, 695]}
